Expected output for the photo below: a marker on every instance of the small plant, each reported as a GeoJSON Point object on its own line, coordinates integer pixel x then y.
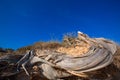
{"type": "Point", "coordinates": [69, 39]}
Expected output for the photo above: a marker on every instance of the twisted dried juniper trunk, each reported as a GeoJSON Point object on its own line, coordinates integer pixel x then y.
{"type": "Point", "coordinates": [99, 56]}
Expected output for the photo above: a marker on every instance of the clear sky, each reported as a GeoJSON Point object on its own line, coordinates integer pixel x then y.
{"type": "Point", "coordinates": [24, 22]}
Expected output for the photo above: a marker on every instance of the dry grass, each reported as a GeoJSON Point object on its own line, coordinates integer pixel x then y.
{"type": "Point", "coordinates": [46, 45]}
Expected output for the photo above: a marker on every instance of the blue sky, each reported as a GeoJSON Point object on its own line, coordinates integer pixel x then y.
{"type": "Point", "coordinates": [24, 22]}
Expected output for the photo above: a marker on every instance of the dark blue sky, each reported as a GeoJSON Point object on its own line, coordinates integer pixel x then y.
{"type": "Point", "coordinates": [24, 22]}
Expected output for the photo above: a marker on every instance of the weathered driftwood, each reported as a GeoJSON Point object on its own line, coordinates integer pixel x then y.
{"type": "Point", "coordinates": [53, 65]}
